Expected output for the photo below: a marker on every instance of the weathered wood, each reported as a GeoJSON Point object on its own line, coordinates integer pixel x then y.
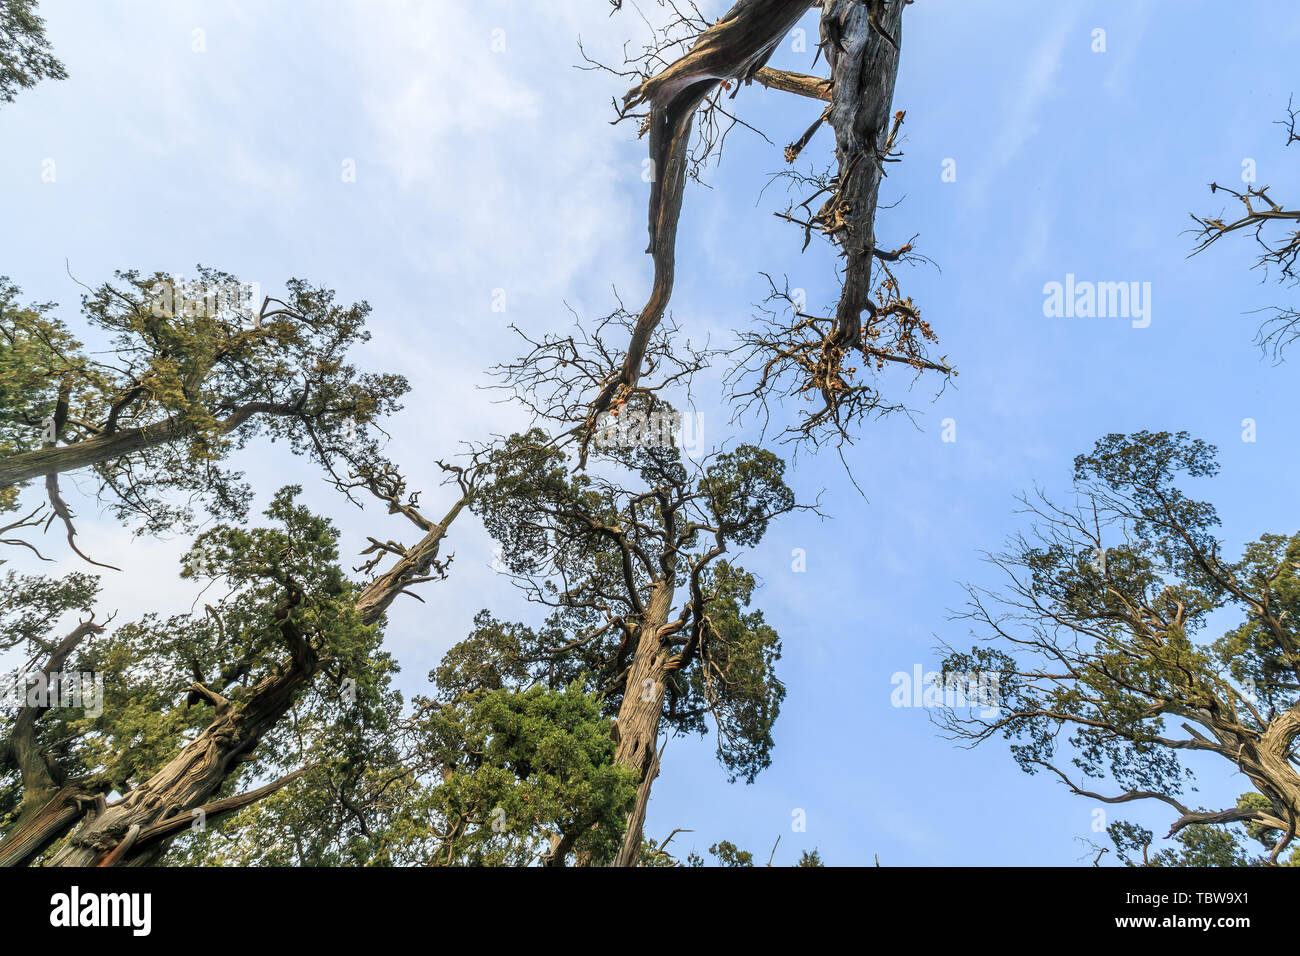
{"type": "Point", "coordinates": [861, 42]}
{"type": "Point", "coordinates": [161, 806]}
{"type": "Point", "coordinates": [640, 713]}
{"type": "Point", "coordinates": [736, 48]}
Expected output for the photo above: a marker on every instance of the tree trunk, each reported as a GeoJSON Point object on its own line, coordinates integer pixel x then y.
{"type": "Point", "coordinates": [41, 825]}
{"type": "Point", "coordinates": [192, 776]}
{"type": "Point", "coordinates": [27, 465]}
{"type": "Point", "coordinates": [1267, 763]}
{"type": "Point", "coordinates": [639, 716]}
{"type": "Point", "coordinates": [138, 829]}
{"type": "Point", "coordinates": [863, 58]}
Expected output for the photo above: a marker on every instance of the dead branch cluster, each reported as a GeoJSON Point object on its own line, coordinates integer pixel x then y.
{"type": "Point", "coordinates": [1278, 251]}
{"type": "Point", "coordinates": [684, 77]}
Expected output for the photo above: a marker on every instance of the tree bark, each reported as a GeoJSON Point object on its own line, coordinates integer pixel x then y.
{"type": "Point", "coordinates": [639, 715]}
{"type": "Point", "coordinates": [154, 812]}
{"type": "Point", "coordinates": [1267, 763]}
{"type": "Point", "coordinates": [863, 56]}
{"type": "Point", "coordinates": [191, 777]}
{"type": "Point", "coordinates": [40, 827]}
{"type": "Point", "coordinates": [27, 465]}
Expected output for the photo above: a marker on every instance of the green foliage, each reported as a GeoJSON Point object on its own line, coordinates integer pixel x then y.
{"type": "Point", "coordinates": [25, 57]}
{"type": "Point", "coordinates": [529, 502]}
{"type": "Point", "coordinates": [611, 540]}
{"type": "Point", "coordinates": [1099, 641]}
{"type": "Point", "coordinates": [746, 700]}
{"type": "Point", "coordinates": [31, 604]}
{"type": "Point", "coordinates": [518, 766]}
{"type": "Point", "coordinates": [32, 607]}
{"type": "Point", "coordinates": [724, 852]}
{"type": "Point", "coordinates": [36, 353]}
{"type": "Point", "coordinates": [490, 659]}
{"type": "Point", "coordinates": [1250, 653]}
{"type": "Point", "coordinates": [208, 375]}
{"type": "Point", "coordinates": [285, 576]}
{"type": "Point", "coordinates": [1196, 845]}
{"type": "Point", "coordinates": [510, 760]}
{"type": "Point", "coordinates": [744, 488]}
{"type": "Point", "coordinates": [353, 808]}
{"type": "Point", "coordinates": [486, 781]}
{"type": "Point", "coordinates": [728, 854]}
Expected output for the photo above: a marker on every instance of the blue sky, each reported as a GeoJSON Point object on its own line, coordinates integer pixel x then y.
{"type": "Point", "coordinates": [479, 170]}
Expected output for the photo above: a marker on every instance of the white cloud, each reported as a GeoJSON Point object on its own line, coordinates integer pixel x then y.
{"type": "Point", "coordinates": [1029, 94]}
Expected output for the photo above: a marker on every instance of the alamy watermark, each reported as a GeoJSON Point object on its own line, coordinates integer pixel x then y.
{"type": "Point", "coordinates": [80, 689]}
{"type": "Point", "coordinates": [957, 689]}
{"type": "Point", "coordinates": [1098, 300]}
{"type": "Point", "coordinates": [660, 428]}
{"type": "Point", "coordinates": [235, 301]}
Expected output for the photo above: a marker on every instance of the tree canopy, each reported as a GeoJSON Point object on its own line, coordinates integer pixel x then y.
{"type": "Point", "coordinates": [25, 56]}
{"type": "Point", "coordinates": [1110, 660]}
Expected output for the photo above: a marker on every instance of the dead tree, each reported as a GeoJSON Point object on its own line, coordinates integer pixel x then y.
{"type": "Point", "coordinates": [682, 76]}
{"type": "Point", "coordinates": [1260, 216]}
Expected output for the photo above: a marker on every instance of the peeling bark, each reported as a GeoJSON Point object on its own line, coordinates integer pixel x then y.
{"type": "Point", "coordinates": [860, 40]}
{"type": "Point", "coordinates": [813, 87]}
{"type": "Point", "coordinates": [44, 824]}
{"type": "Point", "coordinates": [162, 806]}
{"type": "Point", "coordinates": [640, 713]}
{"type": "Point", "coordinates": [190, 778]}
{"type": "Point", "coordinates": [737, 47]}
{"type": "Point", "coordinates": [1268, 764]}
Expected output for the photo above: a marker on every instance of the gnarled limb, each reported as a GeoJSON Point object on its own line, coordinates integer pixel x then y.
{"type": "Point", "coordinates": [1260, 215]}
{"type": "Point", "coordinates": [733, 49]}
{"type": "Point", "coordinates": [860, 41]}
{"type": "Point", "coordinates": [24, 466]}
{"type": "Point", "coordinates": [49, 806]}
{"type": "Point", "coordinates": [162, 806]}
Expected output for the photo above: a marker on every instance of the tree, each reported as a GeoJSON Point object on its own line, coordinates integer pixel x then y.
{"type": "Point", "coordinates": [527, 775]}
{"type": "Point", "coordinates": [28, 604]}
{"type": "Point", "coordinates": [273, 709]}
{"type": "Point", "coordinates": [25, 57]}
{"type": "Point", "coordinates": [193, 372]}
{"type": "Point", "coordinates": [610, 554]}
{"type": "Point", "coordinates": [1101, 651]}
{"type": "Point", "coordinates": [1200, 844]}
{"type": "Point", "coordinates": [199, 696]}
{"type": "Point", "coordinates": [724, 852]}
{"type": "Point", "coordinates": [495, 778]}
{"type": "Point", "coordinates": [1260, 216]}
{"type": "Point", "coordinates": [683, 73]}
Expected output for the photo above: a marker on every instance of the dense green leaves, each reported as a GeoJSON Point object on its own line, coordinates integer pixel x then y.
{"type": "Point", "coordinates": [1103, 652]}
{"type": "Point", "coordinates": [25, 57]}
{"type": "Point", "coordinates": [182, 375]}
{"type": "Point", "coordinates": [744, 488]}
{"type": "Point", "coordinates": [736, 679]}
{"type": "Point", "coordinates": [521, 767]}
